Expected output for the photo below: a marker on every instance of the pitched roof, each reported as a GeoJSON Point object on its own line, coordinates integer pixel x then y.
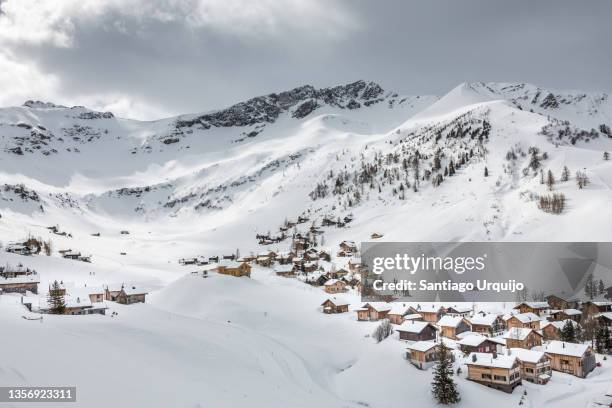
{"type": "Point", "coordinates": [490, 360]}
{"type": "Point", "coordinates": [527, 317]}
{"type": "Point", "coordinates": [413, 326]}
{"type": "Point", "coordinates": [449, 321]}
{"type": "Point", "coordinates": [422, 345]}
{"type": "Point", "coordinates": [528, 356]}
{"type": "Point", "coordinates": [486, 320]}
{"type": "Point", "coordinates": [379, 306]}
{"type": "Point", "coordinates": [473, 340]}
{"type": "Point", "coordinates": [534, 305]}
{"type": "Point", "coordinates": [337, 302]}
{"type": "Point", "coordinates": [566, 349]}
{"type": "Point", "coordinates": [518, 333]}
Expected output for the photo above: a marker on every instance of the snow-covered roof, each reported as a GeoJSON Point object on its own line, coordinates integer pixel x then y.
{"type": "Point", "coordinates": [412, 316]}
{"type": "Point", "coordinates": [534, 305]}
{"type": "Point", "coordinates": [379, 306]}
{"type": "Point", "coordinates": [486, 320]}
{"type": "Point", "coordinates": [606, 315]}
{"type": "Point", "coordinates": [528, 356]}
{"type": "Point", "coordinates": [332, 282]}
{"type": "Point", "coordinates": [283, 268]}
{"type": "Point", "coordinates": [461, 309]}
{"type": "Point", "coordinates": [399, 309]}
{"type": "Point", "coordinates": [449, 321]}
{"type": "Point", "coordinates": [133, 290]}
{"type": "Point", "coordinates": [413, 326]}
{"type": "Point", "coordinates": [472, 340]}
{"type": "Point", "coordinates": [570, 312]}
{"type": "Point", "coordinates": [490, 360]}
{"type": "Point", "coordinates": [422, 346]}
{"type": "Point", "coordinates": [527, 317]}
{"type": "Point", "coordinates": [566, 349]}
{"type": "Point", "coordinates": [559, 324]}
{"type": "Point", "coordinates": [337, 302]}
{"type": "Point", "coordinates": [518, 333]}
{"type": "Point", "coordinates": [33, 278]}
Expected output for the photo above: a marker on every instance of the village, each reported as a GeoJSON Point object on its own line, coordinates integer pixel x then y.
{"type": "Point", "coordinates": [529, 341]}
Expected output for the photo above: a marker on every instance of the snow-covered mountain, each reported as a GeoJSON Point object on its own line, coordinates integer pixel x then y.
{"type": "Point", "coordinates": [351, 149]}
{"type": "Point", "coordinates": [138, 196]}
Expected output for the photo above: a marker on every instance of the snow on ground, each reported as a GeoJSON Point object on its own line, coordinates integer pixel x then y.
{"type": "Point", "coordinates": [225, 341]}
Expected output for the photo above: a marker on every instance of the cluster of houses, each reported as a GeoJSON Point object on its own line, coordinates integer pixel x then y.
{"type": "Point", "coordinates": [500, 350]}
{"type": "Point", "coordinates": [88, 300]}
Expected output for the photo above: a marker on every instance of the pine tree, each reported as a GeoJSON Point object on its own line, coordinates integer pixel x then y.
{"type": "Point", "coordinates": [568, 333]}
{"type": "Point", "coordinates": [486, 172]}
{"type": "Point", "coordinates": [601, 288]}
{"type": "Point", "coordinates": [57, 305]}
{"type": "Point", "coordinates": [589, 287]}
{"type": "Point", "coordinates": [601, 340]}
{"type": "Point", "coordinates": [606, 156]}
{"type": "Point", "coordinates": [444, 388]}
{"type": "Point", "coordinates": [550, 180]}
{"type": "Point", "coordinates": [565, 175]}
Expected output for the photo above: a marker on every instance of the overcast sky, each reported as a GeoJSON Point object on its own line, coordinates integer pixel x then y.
{"type": "Point", "coordinates": [152, 58]}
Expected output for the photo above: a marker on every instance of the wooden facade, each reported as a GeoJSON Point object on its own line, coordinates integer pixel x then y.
{"type": "Point", "coordinates": [417, 331]}
{"type": "Point", "coordinates": [570, 358]}
{"type": "Point", "coordinates": [498, 372]}
{"type": "Point", "coordinates": [559, 303]}
{"type": "Point", "coordinates": [373, 312]}
{"type": "Point", "coordinates": [525, 320]}
{"type": "Point", "coordinates": [523, 338]}
{"type": "Point", "coordinates": [423, 354]}
{"type": "Point", "coordinates": [335, 286]}
{"type": "Point", "coordinates": [332, 306]}
{"type": "Point", "coordinates": [236, 269]}
{"type": "Point", "coordinates": [537, 308]}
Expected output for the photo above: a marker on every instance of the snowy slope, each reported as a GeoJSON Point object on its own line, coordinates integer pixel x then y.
{"type": "Point", "coordinates": [207, 183]}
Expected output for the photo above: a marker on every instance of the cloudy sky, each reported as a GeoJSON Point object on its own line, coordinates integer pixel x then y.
{"type": "Point", "coordinates": [152, 58]}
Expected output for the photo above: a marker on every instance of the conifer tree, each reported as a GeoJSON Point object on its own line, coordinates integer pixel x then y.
{"type": "Point", "coordinates": [565, 175]}
{"type": "Point", "coordinates": [57, 305]}
{"type": "Point", "coordinates": [550, 180]}
{"type": "Point", "coordinates": [486, 172]}
{"type": "Point", "coordinates": [444, 388]}
{"type": "Point", "coordinates": [568, 333]}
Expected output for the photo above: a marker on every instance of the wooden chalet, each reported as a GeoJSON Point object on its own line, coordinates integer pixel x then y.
{"type": "Point", "coordinates": [397, 313]}
{"type": "Point", "coordinates": [310, 266]}
{"type": "Point", "coordinates": [461, 311]}
{"type": "Point", "coordinates": [495, 371]}
{"type": "Point", "coordinates": [335, 286]}
{"type": "Point", "coordinates": [565, 314]}
{"type": "Point", "coordinates": [413, 330]}
{"type": "Point", "coordinates": [333, 305]}
{"type": "Point", "coordinates": [594, 307]}
{"type": "Point", "coordinates": [130, 294]}
{"type": "Point", "coordinates": [605, 319]}
{"type": "Point", "coordinates": [571, 358]}
{"type": "Point", "coordinates": [476, 343]}
{"type": "Point", "coordinates": [487, 324]}
{"type": "Point", "coordinates": [558, 302]}
{"type": "Point", "coordinates": [537, 308]}
{"type": "Point", "coordinates": [431, 315]}
{"type": "Point", "coordinates": [20, 284]}
{"type": "Point", "coordinates": [521, 337]}
{"type": "Point", "coordinates": [376, 235]}
{"type": "Point", "coordinates": [373, 311]}
{"type": "Point", "coordinates": [526, 320]}
{"type": "Point", "coordinates": [535, 365]}
{"type": "Point", "coordinates": [347, 248]}
{"type": "Point", "coordinates": [552, 330]}
{"type": "Point", "coordinates": [78, 306]}
{"type": "Point", "coordinates": [286, 271]}
{"type": "Point", "coordinates": [264, 260]}
{"type": "Point", "coordinates": [423, 354]}
{"type": "Point", "coordinates": [233, 268]}
{"type": "Point", "coordinates": [451, 326]}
